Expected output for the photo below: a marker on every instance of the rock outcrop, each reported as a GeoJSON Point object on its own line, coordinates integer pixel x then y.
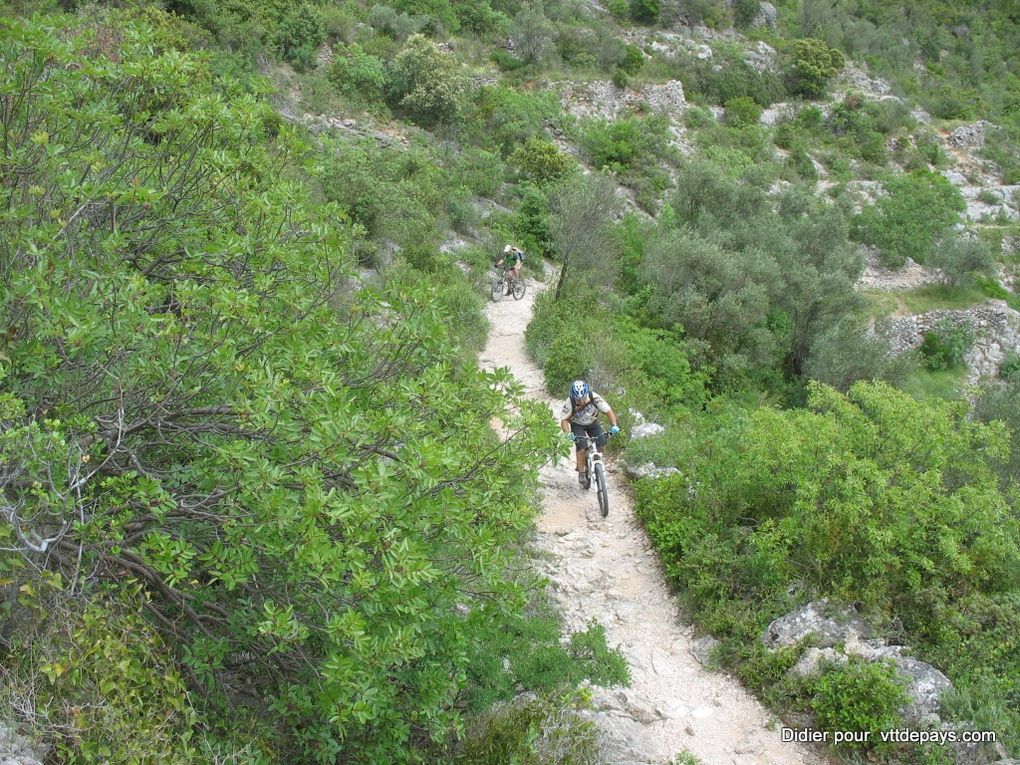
{"type": "Point", "coordinates": [840, 634]}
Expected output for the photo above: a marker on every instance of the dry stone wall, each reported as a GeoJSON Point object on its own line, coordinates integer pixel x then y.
{"type": "Point", "coordinates": [996, 327]}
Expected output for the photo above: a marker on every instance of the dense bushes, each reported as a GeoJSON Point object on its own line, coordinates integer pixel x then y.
{"type": "Point", "coordinates": [837, 500]}
{"type": "Point", "coordinates": [426, 83]}
{"type": "Point", "coordinates": [916, 211]}
{"type": "Point", "coordinates": [813, 64]}
{"type": "Point", "coordinates": [208, 421]}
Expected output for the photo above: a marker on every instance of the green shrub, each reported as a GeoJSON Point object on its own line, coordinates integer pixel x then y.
{"type": "Point", "coordinates": [698, 117]}
{"type": "Point", "coordinates": [645, 11]}
{"type": "Point", "coordinates": [742, 111]}
{"type": "Point", "coordinates": [427, 84]}
{"type": "Point", "coordinates": [506, 61]}
{"type": "Point", "coordinates": [547, 730]}
{"type": "Point", "coordinates": [358, 75]}
{"type": "Point", "coordinates": [398, 26]}
{"type": "Point", "coordinates": [947, 345]}
{"type": "Point", "coordinates": [540, 160]}
{"type": "Point", "coordinates": [745, 11]}
{"type": "Point", "coordinates": [813, 64]}
{"type": "Point", "coordinates": [633, 60]}
{"type": "Point", "coordinates": [918, 209]}
{"type": "Point", "coordinates": [1010, 366]}
{"type": "Point", "coordinates": [593, 657]}
{"type": "Point", "coordinates": [504, 118]}
{"type": "Point", "coordinates": [863, 697]}
{"type": "Point", "coordinates": [100, 684]}
{"type": "Point", "coordinates": [299, 35]}
{"type": "Point", "coordinates": [620, 9]}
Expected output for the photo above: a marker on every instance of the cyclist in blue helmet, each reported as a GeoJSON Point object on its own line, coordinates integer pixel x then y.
{"type": "Point", "coordinates": [579, 416]}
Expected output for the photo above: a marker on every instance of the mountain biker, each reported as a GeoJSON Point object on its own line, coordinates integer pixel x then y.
{"type": "Point", "coordinates": [513, 255]}
{"type": "Point", "coordinates": [579, 417]}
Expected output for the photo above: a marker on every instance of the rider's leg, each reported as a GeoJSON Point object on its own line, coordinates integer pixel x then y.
{"type": "Point", "coordinates": [581, 449]}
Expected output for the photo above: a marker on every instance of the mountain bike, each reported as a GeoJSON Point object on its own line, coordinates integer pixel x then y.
{"type": "Point", "coordinates": [507, 284]}
{"type": "Point", "coordinates": [596, 470]}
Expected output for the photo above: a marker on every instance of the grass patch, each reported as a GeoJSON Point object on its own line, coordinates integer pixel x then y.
{"type": "Point", "coordinates": [922, 299]}
{"type": "Point", "coordinates": [943, 383]}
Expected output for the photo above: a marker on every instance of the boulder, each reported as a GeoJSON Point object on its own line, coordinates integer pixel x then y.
{"type": "Point", "coordinates": [649, 470]}
{"type": "Point", "coordinates": [646, 429]}
{"type": "Point", "coordinates": [829, 623]}
{"type": "Point", "coordinates": [767, 16]}
{"type": "Point", "coordinates": [17, 750]}
{"type": "Point", "coordinates": [701, 649]}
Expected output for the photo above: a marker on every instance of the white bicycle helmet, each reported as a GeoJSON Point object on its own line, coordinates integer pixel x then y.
{"type": "Point", "coordinates": [579, 390]}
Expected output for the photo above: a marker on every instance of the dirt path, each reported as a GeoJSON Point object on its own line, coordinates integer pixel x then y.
{"type": "Point", "coordinates": [606, 570]}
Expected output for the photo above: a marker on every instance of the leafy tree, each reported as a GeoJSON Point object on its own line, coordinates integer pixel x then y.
{"type": "Point", "coordinates": [579, 227]}
{"type": "Point", "coordinates": [425, 82]}
{"type": "Point", "coordinates": [645, 11]}
{"type": "Point", "coordinates": [358, 75]}
{"type": "Point", "coordinates": [961, 258]}
{"type": "Point", "coordinates": [917, 210]}
{"type": "Point", "coordinates": [541, 161]}
{"type": "Point", "coordinates": [814, 64]}
{"type": "Point", "coordinates": [203, 416]}
{"type": "Point", "coordinates": [534, 36]}
{"type": "Point", "coordinates": [300, 34]}
{"type": "Point", "coordinates": [847, 352]}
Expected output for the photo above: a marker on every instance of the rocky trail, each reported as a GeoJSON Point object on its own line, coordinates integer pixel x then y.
{"type": "Point", "coordinates": [605, 569]}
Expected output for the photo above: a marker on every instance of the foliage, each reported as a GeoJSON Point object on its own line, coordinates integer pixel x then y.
{"type": "Point", "coordinates": [298, 472]}
{"type": "Point", "coordinates": [745, 12]}
{"type": "Point", "coordinates": [101, 678]}
{"type": "Point", "coordinates": [917, 210]}
{"type": "Point", "coordinates": [758, 284]}
{"type": "Point", "coordinates": [300, 34]}
{"type": "Point", "coordinates": [634, 148]}
{"type": "Point", "coordinates": [581, 211]}
{"type": "Point", "coordinates": [837, 501]}
{"type": "Point", "coordinates": [742, 111]}
{"type": "Point", "coordinates": [947, 344]}
{"type": "Point", "coordinates": [861, 696]}
{"type": "Point", "coordinates": [426, 83]}
{"type": "Point", "coordinates": [503, 117]}
{"type": "Point", "coordinates": [848, 352]}
{"type": "Point", "coordinates": [534, 36]}
{"type": "Point", "coordinates": [633, 60]}
{"type": "Point", "coordinates": [543, 730]}
{"type": "Point", "coordinates": [541, 161]}
{"type": "Point", "coordinates": [357, 75]}
{"type": "Point", "coordinates": [395, 24]}
{"type": "Point", "coordinates": [813, 64]}
{"type": "Point", "coordinates": [645, 11]}
{"type": "Point", "coordinates": [960, 259]}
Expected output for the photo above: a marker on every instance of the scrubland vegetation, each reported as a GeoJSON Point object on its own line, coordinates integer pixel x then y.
{"type": "Point", "coordinates": [253, 509]}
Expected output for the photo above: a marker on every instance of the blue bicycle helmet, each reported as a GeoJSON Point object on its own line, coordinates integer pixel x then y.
{"type": "Point", "coordinates": [579, 390]}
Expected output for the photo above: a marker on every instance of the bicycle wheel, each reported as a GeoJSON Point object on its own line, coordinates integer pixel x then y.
{"type": "Point", "coordinates": [519, 289]}
{"type": "Point", "coordinates": [497, 290]}
{"type": "Point", "coordinates": [602, 489]}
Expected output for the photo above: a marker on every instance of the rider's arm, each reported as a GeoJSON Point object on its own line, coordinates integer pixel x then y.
{"type": "Point", "coordinates": [603, 406]}
{"type": "Point", "coordinates": [565, 425]}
